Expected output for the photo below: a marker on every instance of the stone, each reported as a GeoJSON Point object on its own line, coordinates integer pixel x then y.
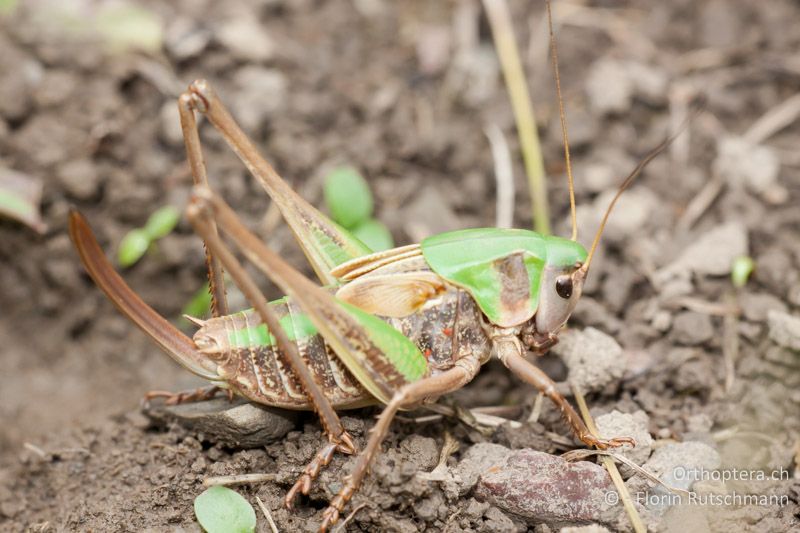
{"type": "Point", "coordinates": [617, 424]}
{"type": "Point", "coordinates": [608, 87]}
{"type": "Point", "coordinates": [423, 452]}
{"type": "Point", "coordinates": [497, 521]}
{"type": "Point", "coordinates": [612, 84]}
{"type": "Point", "coordinates": [757, 305]}
{"type": "Point", "coordinates": [745, 164]}
{"type": "Point", "coordinates": [184, 39]}
{"type": "Point", "coordinates": [238, 424]}
{"type": "Point", "coordinates": [476, 460]}
{"type": "Point", "coordinates": [784, 329]}
{"type": "Point", "coordinates": [713, 252]}
{"type": "Point", "coordinates": [170, 124]}
{"type": "Point", "coordinates": [678, 465]}
{"type": "Point", "coordinates": [79, 177]}
{"type": "Point", "coordinates": [591, 528]}
{"type": "Point", "coordinates": [246, 39]}
{"type": "Point", "coordinates": [593, 358]}
{"type": "Point", "coordinates": [429, 214]}
{"type": "Point", "coordinates": [260, 92]}
{"type": "Point", "coordinates": [692, 328]}
{"type": "Point", "coordinates": [539, 487]}
{"type": "Point", "coordinates": [637, 208]}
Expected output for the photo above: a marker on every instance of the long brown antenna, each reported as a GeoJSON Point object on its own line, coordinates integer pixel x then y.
{"type": "Point", "coordinates": [630, 179]}
{"type": "Point", "coordinates": [554, 53]}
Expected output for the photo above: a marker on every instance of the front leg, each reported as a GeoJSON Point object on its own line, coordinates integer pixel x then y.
{"type": "Point", "coordinates": [509, 351]}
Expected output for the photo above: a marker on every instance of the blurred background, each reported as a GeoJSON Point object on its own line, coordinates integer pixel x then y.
{"type": "Point", "coordinates": [405, 92]}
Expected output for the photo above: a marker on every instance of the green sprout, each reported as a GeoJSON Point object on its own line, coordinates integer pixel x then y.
{"type": "Point", "coordinates": [8, 6]}
{"type": "Point", "coordinates": [200, 303]}
{"type": "Point", "coordinates": [222, 510]}
{"type": "Point", "coordinates": [126, 27]}
{"type": "Point", "coordinates": [502, 26]}
{"type": "Point", "coordinates": [374, 234]}
{"type": "Point", "coordinates": [137, 241]}
{"type": "Point", "coordinates": [349, 200]}
{"type": "Point", "coordinates": [741, 268]}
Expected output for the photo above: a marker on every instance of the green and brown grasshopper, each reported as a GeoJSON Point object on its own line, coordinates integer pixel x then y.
{"type": "Point", "coordinates": [400, 327]}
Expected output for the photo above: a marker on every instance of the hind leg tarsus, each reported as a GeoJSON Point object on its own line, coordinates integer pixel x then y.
{"type": "Point", "coordinates": [320, 461]}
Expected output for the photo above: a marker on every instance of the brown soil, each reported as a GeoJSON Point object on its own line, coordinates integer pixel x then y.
{"type": "Point", "coordinates": [404, 92]}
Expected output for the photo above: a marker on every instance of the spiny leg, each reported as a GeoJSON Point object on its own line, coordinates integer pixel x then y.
{"type": "Point", "coordinates": [216, 282]}
{"type": "Point", "coordinates": [194, 153]}
{"type": "Point", "coordinates": [509, 351]}
{"type": "Point", "coordinates": [339, 440]}
{"type": "Point", "coordinates": [449, 380]}
{"type": "Point", "coordinates": [325, 243]}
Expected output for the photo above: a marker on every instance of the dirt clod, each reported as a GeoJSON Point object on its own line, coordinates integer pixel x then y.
{"type": "Point", "coordinates": [594, 358]}
{"type": "Point", "coordinates": [784, 329]}
{"type": "Point", "coordinates": [477, 460]}
{"type": "Point", "coordinates": [617, 424]}
{"type": "Point", "coordinates": [692, 328]}
{"type": "Point", "coordinates": [679, 465]}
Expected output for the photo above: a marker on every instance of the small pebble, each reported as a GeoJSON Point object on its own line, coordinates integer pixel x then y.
{"type": "Point", "coordinates": [756, 306]}
{"type": "Point", "coordinates": [79, 177]}
{"type": "Point", "coordinates": [617, 424]}
{"type": "Point", "coordinates": [743, 163]}
{"type": "Point", "coordinates": [246, 39]}
{"type": "Point", "coordinates": [713, 252]}
{"type": "Point", "coordinates": [240, 425]}
{"type": "Point", "coordinates": [692, 328]}
{"type": "Point", "coordinates": [539, 487]}
{"type": "Point", "coordinates": [784, 329]}
{"type": "Point", "coordinates": [476, 460]}
{"type": "Point", "coordinates": [184, 39]}
{"type": "Point", "coordinates": [678, 465]}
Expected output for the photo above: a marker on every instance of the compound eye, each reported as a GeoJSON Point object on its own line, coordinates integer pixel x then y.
{"type": "Point", "coordinates": [564, 287]}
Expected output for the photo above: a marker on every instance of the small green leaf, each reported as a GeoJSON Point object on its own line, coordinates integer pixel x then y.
{"type": "Point", "coordinates": [200, 303]}
{"type": "Point", "coordinates": [129, 27]}
{"type": "Point", "coordinates": [741, 269]}
{"type": "Point", "coordinates": [133, 247]}
{"type": "Point", "coordinates": [348, 197]}
{"type": "Point", "coordinates": [374, 234]}
{"type": "Point", "coordinates": [8, 6]}
{"type": "Point", "coordinates": [162, 222]}
{"type": "Point", "coordinates": [221, 510]}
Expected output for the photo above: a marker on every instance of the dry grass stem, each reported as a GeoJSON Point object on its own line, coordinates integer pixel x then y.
{"type": "Point", "coordinates": [239, 479]}
{"type": "Point", "coordinates": [267, 514]}
{"type": "Point", "coordinates": [505, 42]}
{"type": "Point", "coordinates": [504, 176]}
{"type": "Point", "coordinates": [608, 462]}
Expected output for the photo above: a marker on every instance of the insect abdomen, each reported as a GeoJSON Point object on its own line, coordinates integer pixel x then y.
{"type": "Point", "coordinates": [250, 362]}
{"type": "Point", "coordinates": [445, 329]}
